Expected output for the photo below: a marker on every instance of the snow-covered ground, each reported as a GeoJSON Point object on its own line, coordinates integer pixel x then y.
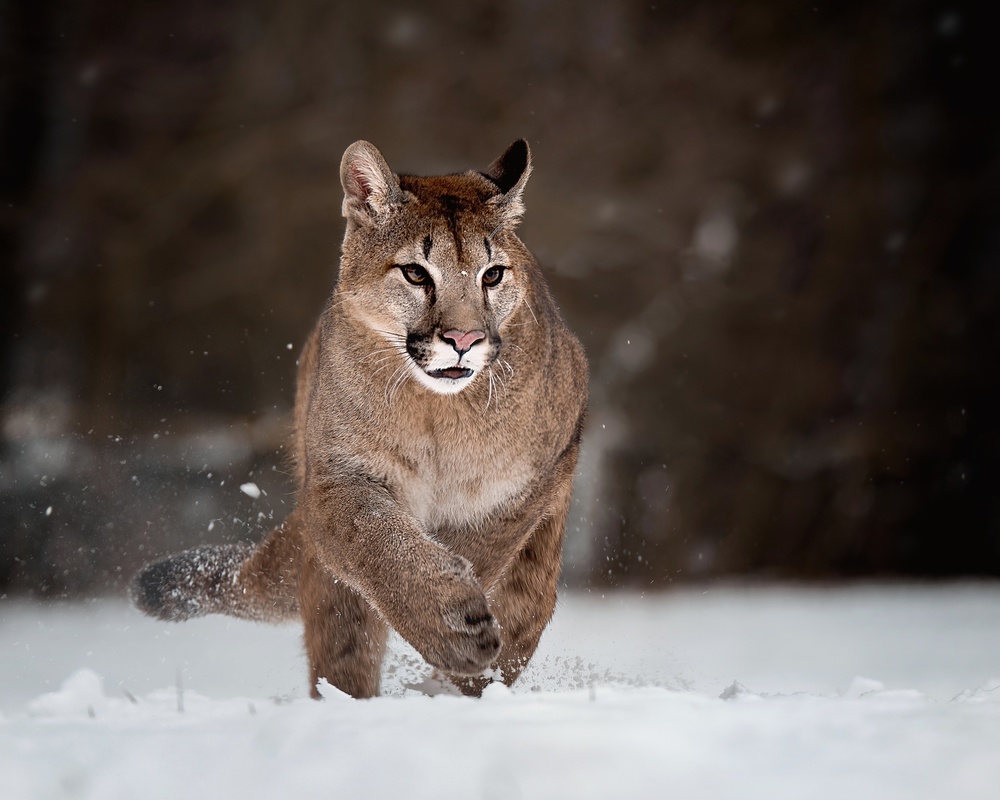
{"type": "Point", "coordinates": [871, 692]}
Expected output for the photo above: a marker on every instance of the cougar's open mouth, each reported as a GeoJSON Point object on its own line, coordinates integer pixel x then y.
{"type": "Point", "coordinates": [454, 373]}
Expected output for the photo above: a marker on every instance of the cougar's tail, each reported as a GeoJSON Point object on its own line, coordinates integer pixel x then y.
{"type": "Point", "coordinates": [251, 582]}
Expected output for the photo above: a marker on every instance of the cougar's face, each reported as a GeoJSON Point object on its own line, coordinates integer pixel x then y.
{"type": "Point", "coordinates": [453, 295]}
{"type": "Point", "coordinates": [439, 301]}
{"type": "Point", "coordinates": [429, 264]}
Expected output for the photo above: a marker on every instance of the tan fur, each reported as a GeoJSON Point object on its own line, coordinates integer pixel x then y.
{"type": "Point", "coordinates": [428, 503]}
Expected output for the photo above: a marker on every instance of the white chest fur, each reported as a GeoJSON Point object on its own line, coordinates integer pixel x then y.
{"type": "Point", "coordinates": [453, 487]}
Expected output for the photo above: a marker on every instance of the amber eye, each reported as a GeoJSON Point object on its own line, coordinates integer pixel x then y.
{"type": "Point", "coordinates": [415, 274]}
{"type": "Point", "coordinates": [493, 276]}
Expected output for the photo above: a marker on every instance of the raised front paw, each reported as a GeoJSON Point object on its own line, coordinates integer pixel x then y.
{"type": "Point", "coordinates": [460, 636]}
{"type": "Point", "coordinates": [471, 640]}
{"type": "Point", "coordinates": [446, 617]}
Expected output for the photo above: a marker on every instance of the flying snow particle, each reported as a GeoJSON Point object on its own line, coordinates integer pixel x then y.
{"type": "Point", "coordinates": [48, 511]}
{"type": "Point", "coordinates": [250, 489]}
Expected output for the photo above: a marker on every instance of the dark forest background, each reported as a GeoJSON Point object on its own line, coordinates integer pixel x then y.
{"type": "Point", "coordinates": [775, 225]}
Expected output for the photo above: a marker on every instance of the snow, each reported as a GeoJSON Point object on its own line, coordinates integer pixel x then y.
{"type": "Point", "coordinates": [250, 489]}
{"type": "Point", "coordinates": [867, 692]}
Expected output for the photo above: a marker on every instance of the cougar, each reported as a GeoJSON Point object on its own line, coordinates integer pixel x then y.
{"type": "Point", "coordinates": [439, 406]}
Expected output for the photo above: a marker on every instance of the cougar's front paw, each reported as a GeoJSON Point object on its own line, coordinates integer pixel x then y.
{"type": "Point", "coordinates": [472, 638]}
{"type": "Point", "coordinates": [449, 621]}
{"type": "Point", "coordinates": [465, 638]}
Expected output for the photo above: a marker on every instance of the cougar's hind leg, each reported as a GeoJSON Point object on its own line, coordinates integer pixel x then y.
{"type": "Point", "coordinates": [523, 601]}
{"type": "Point", "coordinates": [269, 578]}
{"type": "Point", "coordinates": [344, 636]}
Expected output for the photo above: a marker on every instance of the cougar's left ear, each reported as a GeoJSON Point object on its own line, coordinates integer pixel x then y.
{"type": "Point", "coordinates": [510, 173]}
{"type": "Point", "coordinates": [370, 187]}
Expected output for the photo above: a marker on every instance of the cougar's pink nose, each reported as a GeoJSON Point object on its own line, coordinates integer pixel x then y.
{"type": "Point", "coordinates": [462, 341]}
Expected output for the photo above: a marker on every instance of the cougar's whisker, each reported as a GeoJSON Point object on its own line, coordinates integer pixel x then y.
{"type": "Point", "coordinates": [400, 382]}
{"type": "Point", "coordinates": [380, 352]}
{"type": "Point", "coordinates": [390, 382]}
{"type": "Point", "coordinates": [503, 383]}
{"type": "Point", "coordinates": [489, 396]}
{"type": "Point", "coordinates": [392, 335]}
{"type": "Point", "coordinates": [383, 368]}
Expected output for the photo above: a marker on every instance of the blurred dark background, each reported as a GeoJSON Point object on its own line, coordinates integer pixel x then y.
{"type": "Point", "coordinates": [775, 225]}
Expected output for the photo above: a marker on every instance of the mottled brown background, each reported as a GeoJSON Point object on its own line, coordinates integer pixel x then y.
{"type": "Point", "coordinates": [775, 226]}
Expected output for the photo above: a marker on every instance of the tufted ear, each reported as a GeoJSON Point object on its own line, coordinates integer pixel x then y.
{"type": "Point", "coordinates": [370, 187]}
{"type": "Point", "coordinates": [510, 173]}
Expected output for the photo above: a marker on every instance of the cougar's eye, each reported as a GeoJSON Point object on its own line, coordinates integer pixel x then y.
{"type": "Point", "coordinates": [415, 274]}
{"type": "Point", "coordinates": [493, 276]}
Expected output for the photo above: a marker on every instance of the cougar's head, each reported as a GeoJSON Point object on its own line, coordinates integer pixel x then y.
{"type": "Point", "coordinates": [433, 265]}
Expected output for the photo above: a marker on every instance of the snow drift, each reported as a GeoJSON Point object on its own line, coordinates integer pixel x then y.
{"type": "Point", "coordinates": [731, 693]}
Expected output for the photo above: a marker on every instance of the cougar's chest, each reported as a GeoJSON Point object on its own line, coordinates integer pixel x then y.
{"type": "Point", "coordinates": [453, 484]}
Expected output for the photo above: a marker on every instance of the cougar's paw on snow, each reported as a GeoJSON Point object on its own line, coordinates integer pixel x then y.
{"type": "Point", "coordinates": [457, 633]}
{"type": "Point", "coordinates": [471, 641]}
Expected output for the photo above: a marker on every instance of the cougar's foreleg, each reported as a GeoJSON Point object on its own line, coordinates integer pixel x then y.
{"type": "Point", "coordinates": [523, 601]}
{"type": "Point", "coordinates": [344, 636]}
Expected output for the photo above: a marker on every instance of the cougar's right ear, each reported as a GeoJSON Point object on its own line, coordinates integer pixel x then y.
{"type": "Point", "coordinates": [370, 187]}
